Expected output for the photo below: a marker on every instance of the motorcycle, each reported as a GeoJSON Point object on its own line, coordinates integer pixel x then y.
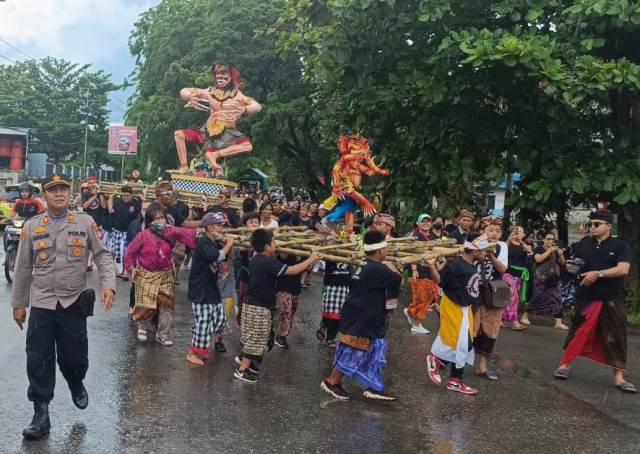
{"type": "Point", "coordinates": [11, 239]}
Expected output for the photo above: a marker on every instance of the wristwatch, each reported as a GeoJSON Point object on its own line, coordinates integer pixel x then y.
{"type": "Point", "coordinates": [600, 274]}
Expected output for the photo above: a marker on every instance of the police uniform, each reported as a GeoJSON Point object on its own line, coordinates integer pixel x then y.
{"type": "Point", "coordinates": [50, 276]}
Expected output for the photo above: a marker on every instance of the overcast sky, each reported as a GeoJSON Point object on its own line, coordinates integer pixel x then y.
{"type": "Point", "coordinates": [82, 31]}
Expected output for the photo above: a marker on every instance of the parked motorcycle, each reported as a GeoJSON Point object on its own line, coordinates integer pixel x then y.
{"type": "Point", "coordinates": [11, 239]}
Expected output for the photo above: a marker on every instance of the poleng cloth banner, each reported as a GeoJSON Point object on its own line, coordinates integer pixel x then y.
{"type": "Point", "coordinates": [123, 140]}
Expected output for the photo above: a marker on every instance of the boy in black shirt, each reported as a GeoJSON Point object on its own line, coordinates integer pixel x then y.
{"type": "Point", "coordinates": [208, 311]}
{"type": "Point", "coordinates": [361, 353]}
{"type": "Point", "coordinates": [255, 323]}
{"type": "Point", "coordinates": [460, 280]}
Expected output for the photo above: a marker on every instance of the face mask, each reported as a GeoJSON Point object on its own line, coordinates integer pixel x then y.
{"type": "Point", "coordinates": [158, 226]}
{"type": "Point", "coordinates": [437, 226]}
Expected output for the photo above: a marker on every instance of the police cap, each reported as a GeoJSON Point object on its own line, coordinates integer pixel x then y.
{"type": "Point", "coordinates": [56, 179]}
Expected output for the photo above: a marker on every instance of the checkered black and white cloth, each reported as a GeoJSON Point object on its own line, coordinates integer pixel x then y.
{"type": "Point", "coordinates": [333, 298]}
{"type": "Point", "coordinates": [209, 320]}
{"type": "Point", "coordinates": [116, 242]}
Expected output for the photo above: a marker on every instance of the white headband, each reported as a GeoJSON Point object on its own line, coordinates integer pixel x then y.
{"type": "Point", "coordinates": [476, 246]}
{"type": "Point", "coordinates": [375, 246]}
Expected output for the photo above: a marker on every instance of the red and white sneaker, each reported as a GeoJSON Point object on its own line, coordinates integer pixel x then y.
{"type": "Point", "coordinates": [454, 384]}
{"type": "Point", "coordinates": [433, 369]}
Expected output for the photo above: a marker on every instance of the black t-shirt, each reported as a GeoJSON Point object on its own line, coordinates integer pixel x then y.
{"type": "Point", "coordinates": [363, 312]}
{"type": "Point", "coordinates": [518, 257]}
{"type": "Point", "coordinates": [284, 217]}
{"type": "Point", "coordinates": [289, 284]}
{"type": "Point", "coordinates": [124, 213]}
{"type": "Point", "coordinates": [458, 235]}
{"type": "Point", "coordinates": [460, 281]}
{"type": "Point", "coordinates": [294, 218]}
{"type": "Point", "coordinates": [95, 210]}
{"type": "Point", "coordinates": [265, 270]}
{"type": "Point", "coordinates": [203, 277]}
{"type": "Point", "coordinates": [600, 257]}
{"type": "Point", "coordinates": [337, 274]}
{"type": "Point", "coordinates": [231, 214]}
{"type": "Point", "coordinates": [176, 215]}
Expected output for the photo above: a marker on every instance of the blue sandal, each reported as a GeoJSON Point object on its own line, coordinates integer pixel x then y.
{"type": "Point", "coordinates": [627, 387]}
{"type": "Point", "coordinates": [488, 374]}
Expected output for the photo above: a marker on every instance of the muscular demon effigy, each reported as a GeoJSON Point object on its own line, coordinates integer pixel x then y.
{"type": "Point", "coordinates": [226, 104]}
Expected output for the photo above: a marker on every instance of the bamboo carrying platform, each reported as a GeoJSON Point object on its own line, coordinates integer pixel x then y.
{"type": "Point", "coordinates": [146, 192]}
{"type": "Point", "coordinates": [301, 242]}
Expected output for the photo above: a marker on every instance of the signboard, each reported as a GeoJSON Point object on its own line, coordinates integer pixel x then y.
{"type": "Point", "coordinates": [123, 140]}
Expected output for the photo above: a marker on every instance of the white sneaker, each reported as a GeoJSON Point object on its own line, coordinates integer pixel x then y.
{"type": "Point", "coordinates": [419, 329]}
{"type": "Point", "coordinates": [412, 322]}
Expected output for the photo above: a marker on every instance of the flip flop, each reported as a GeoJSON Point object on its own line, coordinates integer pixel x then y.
{"type": "Point", "coordinates": [488, 374]}
{"type": "Point", "coordinates": [627, 387]}
{"type": "Point", "coordinates": [561, 373]}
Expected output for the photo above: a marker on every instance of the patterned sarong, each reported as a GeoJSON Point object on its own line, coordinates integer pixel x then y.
{"type": "Point", "coordinates": [116, 242]}
{"type": "Point", "coordinates": [255, 327]}
{"type": "Point", "coordinates": [153, 288]}
{"type": "Point", "coordinates": [424, 293]}
{"type": "Point", "coordinates": [363, 365]}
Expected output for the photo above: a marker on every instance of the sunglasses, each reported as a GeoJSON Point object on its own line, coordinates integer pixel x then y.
{"type": "Point", "coordinates": [596, 224]}
{"type": "Point", "coordinates": [168, 193]}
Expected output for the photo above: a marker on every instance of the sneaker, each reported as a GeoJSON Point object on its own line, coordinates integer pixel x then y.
{"type": "Point", "coordinates": [372, 394]}
{"type": "Point", "coordinates": [419, 329]}
{"type": "Point", "coordinates": [253, 368]}
{"type": "Point", "coordinates": [433, 369]}
{"type": "Point", "coordinates": [245, 376]}
{"type": "Point", "coordinates": [164, 342]}
{"type": "Point", "coordinates": [281, 342]}
{"type": "Point", "coordinates": [454, 384]}
{"type": "Point", "coordinates": [335, 390]}
{"type": "Point", "coordinates": [142, 335]}
{"type": "Point", "coordinates": [412, 322]}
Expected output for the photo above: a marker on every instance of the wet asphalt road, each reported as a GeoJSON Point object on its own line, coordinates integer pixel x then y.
{"type": "Point", "coordinates": [144, 398]}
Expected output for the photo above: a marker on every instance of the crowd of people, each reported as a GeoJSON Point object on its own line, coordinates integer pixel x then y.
{"type": "Point", "coordinates": [497, 279]}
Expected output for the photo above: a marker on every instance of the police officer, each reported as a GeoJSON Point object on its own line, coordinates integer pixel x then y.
{"type": "Point", "coordinates": [50, 275]}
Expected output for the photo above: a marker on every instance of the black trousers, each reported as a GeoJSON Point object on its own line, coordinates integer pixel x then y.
{"type": "Point", "coordinates": [455, 371]}
{"type": "Point", "coordinates": [50, 332]}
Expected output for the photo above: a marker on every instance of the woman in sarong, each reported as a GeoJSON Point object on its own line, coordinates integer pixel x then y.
{"type": "Point", "coordinates": [547, 296]}
{"type": "Point", "coordinates": [517, 275]}
{"type": "Point", "coordinates": [148, 261]}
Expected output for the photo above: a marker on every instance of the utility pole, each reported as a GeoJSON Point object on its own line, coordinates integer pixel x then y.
{"type": "Point", "coordinates": [86, 135]}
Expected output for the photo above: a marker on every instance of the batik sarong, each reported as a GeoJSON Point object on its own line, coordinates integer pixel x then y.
{"type": "Point", "coordinates": [598, 332]}
{"type": "Point", "coordinates": [511, 311]}
{"type": "Point", "coordinates": [486, 329]}
{"type": "Point", "coordinates": [364, 366]}
{"type": "Point", "coordinates": [424, 293]}
{"type": "Point", "coordinates": [255, 328]}
{"type": "Point", "coordinates": [287, 305]}
{"type": "Point", "coordinates": [153, 288]}
{"type": "Point", "coordinates": [546, 298]}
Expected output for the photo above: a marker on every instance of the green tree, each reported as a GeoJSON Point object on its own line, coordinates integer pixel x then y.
{"type": "Point", "coordinates": [175, 43]}
{"type": "Point", "coordinates": [55, 99]}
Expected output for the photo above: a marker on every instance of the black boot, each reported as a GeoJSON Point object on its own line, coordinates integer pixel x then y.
{"type": "Point", "coordinates": [40, 424]}
{"type": "Point", "coordinates": [79, 395]}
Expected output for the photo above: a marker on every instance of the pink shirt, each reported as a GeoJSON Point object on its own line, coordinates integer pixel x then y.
{"type": "Point", "coordinates": [152, 252]}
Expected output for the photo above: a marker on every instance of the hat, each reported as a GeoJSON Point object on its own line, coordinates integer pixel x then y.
{"type": "Point", "coordinates": [127, 189]}
{"type": "Point", "coordinates": [213, 218]}
{"type": "Point", "coordinates": [602, 215]}
{"type": "Point", "coordinates": [386, 218]}
{"type": "Point", "coordinates": [466, 214]}
{"type": "Point", "coordinates": [56, 179]}
{"type": "Point", "coordinates": [163, 186]}
{"type": "Point", "coordinates": [424, 216]}
{"type": "Point", "coordinates": [492, 220]}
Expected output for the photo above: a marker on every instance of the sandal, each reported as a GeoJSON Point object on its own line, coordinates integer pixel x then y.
{"type": "Point", "coordinates": [561, 373]}
{"type": "Point", "coordinates": [488, 374]}
{"type": "Point", "coordinates": [320, 334]}
{"type": "Point", "coordinates": [627, 387]}
{"type": "Point", "coordinates": [332, 344]}
{"type": "Point", "coordinates": [518, 328]}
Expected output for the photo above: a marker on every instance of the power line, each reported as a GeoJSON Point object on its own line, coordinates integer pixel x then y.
{"type": "Point", "coordinates": [7, 58]}
{"type": "Point", "coordinates": [19, 50]}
